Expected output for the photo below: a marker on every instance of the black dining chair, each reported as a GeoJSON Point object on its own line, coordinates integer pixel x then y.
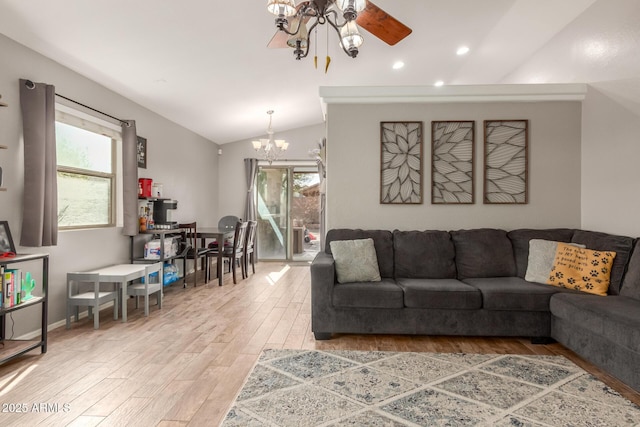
{"type": "Point", "coordinates": [233, 254]}
{"type": "Point", "coordinates": [249, 247]}
{"type": "Point", "coordinates": [190, 249]}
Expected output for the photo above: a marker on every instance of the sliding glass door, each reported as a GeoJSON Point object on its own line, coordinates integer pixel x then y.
{"type": "Point", "coordinates": [288, 203]}
{"type": "Point", "coordinates": [273, 213]}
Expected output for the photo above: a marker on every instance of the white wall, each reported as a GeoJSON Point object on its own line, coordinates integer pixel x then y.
{"type": "Point", "coordinates": [232, 187]}
{"type": "Point", "coordinates": [353, 167]}
{"type": "Point", "coordinates": [610, 153]}
{"type": "Point", "coordinates": [184, 162]}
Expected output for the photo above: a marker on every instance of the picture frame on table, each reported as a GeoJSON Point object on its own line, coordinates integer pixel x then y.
{"type": "Point", "coordinates": [6, 241]}
{"type": "Point", "coordinates": [142, 152]}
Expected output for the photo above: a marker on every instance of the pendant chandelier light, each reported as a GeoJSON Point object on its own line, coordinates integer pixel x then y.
{"type": "Point", "coordinates": [271, 149]}
{"type": "Point", "coordinates": [339, 14]}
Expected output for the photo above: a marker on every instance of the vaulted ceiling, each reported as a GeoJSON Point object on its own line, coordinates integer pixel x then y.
{"type": "Point", "coordinates": [205, 63]}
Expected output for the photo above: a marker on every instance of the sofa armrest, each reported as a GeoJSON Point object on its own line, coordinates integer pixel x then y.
{"type": "Point", "coordinates": [323, 278]}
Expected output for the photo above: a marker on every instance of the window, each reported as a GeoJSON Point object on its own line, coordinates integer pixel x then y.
{"type": "Point", "coordinates": [86, 156]}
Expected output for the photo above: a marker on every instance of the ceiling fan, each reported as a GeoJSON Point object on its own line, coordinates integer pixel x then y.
{"type": "Point", "coordinates": [341, 15]}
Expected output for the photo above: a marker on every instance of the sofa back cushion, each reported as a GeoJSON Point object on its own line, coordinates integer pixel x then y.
{"type": "Point", "coordinates": [631, 283]}
{"type": "Point", "coordinates": [424, 255]}
{"type": "Point", "coordinates": [483, 252]}
{"type": "Point", "coordinates": [382, 241]}
{"type": "Point", "coordinates": [621, 245]}
{"type": "Point", "coordinates": [520, 242]}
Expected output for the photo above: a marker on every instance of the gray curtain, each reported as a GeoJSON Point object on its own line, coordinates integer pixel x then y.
{"type": "Point", "coordinates": [130, 178]}
{"type": "Point", "coordinates": [251, 171]}
{"type": "Point", "coordinates": [40, 201]}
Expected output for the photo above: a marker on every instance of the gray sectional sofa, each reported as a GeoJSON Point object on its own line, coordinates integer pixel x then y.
{"type": "Point", "coordinates": [471, 282]}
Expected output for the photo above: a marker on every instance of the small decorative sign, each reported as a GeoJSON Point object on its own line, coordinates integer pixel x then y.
{"type": "Point", "coordinates": [142, 152]}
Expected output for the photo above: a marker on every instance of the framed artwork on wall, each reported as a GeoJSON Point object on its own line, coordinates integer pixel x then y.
{"type": "Point", "coordinates": [401, 167]}
{"type": "Point", "coordinates": [506, 161]}
{"type": "Point", "coordinates": [452, 160]}
{"type": "Point", "coordinates": [142, 152]}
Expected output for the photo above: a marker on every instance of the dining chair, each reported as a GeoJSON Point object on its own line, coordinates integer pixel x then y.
{"type": "Point", "coordinates": [227, 223]}
{"type": "Point", "coordinates": [249, 247]}
{"type": "Point", "coordinates": [233, 254]}
{"type": "Point", "coordinates": [190, 249]}
{"type": "Point", "coordinates": [147, 288]}
{"type": "Point", "coordinates": [92, 298]}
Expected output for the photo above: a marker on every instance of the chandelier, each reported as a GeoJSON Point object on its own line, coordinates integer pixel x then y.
{"type": "Point", "coordinates": [322, 12]}
{"type": "Point", "coordinates": [270, 148]}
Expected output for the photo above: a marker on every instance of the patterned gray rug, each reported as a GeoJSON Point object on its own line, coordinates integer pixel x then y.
{"type": "Point", "coordinates": [356, 388]}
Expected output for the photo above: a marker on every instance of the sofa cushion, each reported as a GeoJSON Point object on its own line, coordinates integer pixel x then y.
{"type": "Point", "coordinates": [569, 265]}
{"type": "Point", "coordinates": [616, 317]}
{"type": "Point", "coordinates": [424, 255]}
{"type": "Point", "coordinates": [513, 293]}
{"type": "Point", "coordinates": [582, 269]}
{"type": "Point", "coordinates": [520, 242]}
{"type": "Point", "coordinates": [631, 283]}
{"type": "Point", "coordinates": [621, 245]}
{"type": "Point", "coordinates": [382, 240]}
{"type": "Point", "coordinates": [355, 261]}
{"type": "Point", "coordinates": [440, 293]}
{"type": "Point", "coordinates": [384, 294]}
{"type": "Point", "coordinates": [484, 252]}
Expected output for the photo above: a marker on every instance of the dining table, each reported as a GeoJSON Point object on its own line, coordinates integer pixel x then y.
{"type": "Point", "coordinates": [219, 234]}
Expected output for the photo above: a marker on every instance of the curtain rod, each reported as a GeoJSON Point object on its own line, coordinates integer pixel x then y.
{"type": "Point", "coordinates": [31, 85]}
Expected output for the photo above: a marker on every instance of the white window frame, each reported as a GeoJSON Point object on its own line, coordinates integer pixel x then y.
{"type": "Point", "coordinates": [79, 119]}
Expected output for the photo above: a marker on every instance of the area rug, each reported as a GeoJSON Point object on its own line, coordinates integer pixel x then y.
{"type": "Point", "coordinates": [363, 388]}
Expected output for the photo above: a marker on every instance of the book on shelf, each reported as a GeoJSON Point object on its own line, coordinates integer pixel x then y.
{"type": "Point", "coordinates": [12, 280]}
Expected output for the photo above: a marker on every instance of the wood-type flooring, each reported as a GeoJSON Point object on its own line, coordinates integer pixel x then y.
{"type": "Point", "coordinates": [185, 363]}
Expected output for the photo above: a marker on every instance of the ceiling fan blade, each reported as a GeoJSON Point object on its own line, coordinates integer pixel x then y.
{"type": "Point", "coordinates": [279, 39]}
{"type": "Point", "coordinates": [382, 25]}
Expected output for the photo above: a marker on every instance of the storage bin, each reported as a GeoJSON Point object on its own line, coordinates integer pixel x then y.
{"type": "Point", "coordinates": [144, 187]}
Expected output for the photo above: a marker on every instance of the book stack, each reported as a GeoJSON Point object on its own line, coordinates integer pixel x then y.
{"type": "Point", "coordinates": [11, 288]}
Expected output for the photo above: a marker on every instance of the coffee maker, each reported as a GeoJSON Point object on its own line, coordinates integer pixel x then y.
{"type": "Point", "coordinates": [162, 213]}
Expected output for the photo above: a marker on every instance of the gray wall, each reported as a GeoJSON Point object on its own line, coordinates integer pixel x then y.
{"type": "Point", "coordinates": [610, 153]}
{"type": "Point", "coordinates": [353, 167]}
{"type": "Point", "coordinates": [184, 162]}
{"type": "Point", "coordinates": [232, 187]}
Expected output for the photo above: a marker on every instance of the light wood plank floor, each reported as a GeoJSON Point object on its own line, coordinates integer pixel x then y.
{"type": "Point", "coordinates": [184, 364]}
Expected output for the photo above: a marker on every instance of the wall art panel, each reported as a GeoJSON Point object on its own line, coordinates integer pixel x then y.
{"type": "Point", "coordinates": [452, 159]}
{"type": "Point", "coordinates": [401, 163]}
{"type": "Point", "coordinates": [506, 161]}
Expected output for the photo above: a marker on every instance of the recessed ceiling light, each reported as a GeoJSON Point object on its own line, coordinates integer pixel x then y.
{"type": "Point", "coordinates": [462, 50]}
{"type": "Point", "coordinates": [397, 65]}
{"type": "Point", "coordinates": [438, 83]}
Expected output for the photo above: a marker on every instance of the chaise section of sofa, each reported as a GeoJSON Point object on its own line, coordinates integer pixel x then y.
{"type": "Point", "coordinates": [605, 330]}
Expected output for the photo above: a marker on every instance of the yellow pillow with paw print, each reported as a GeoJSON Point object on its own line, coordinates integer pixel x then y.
{"type": "Point", "coordinates": [581, 269]}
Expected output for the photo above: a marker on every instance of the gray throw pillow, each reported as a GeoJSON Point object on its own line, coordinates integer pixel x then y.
{"type": "Point", "coordinates": [542, 255]}
{"type": "Point", "coordinates": [355, 260]}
